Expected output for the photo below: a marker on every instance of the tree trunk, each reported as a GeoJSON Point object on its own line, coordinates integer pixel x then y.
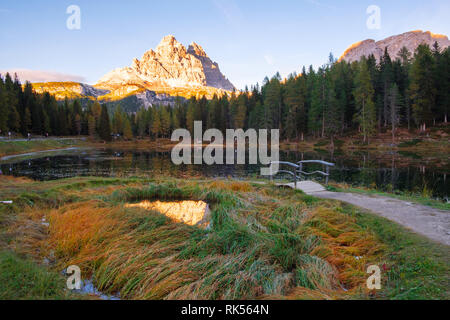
{"type": "Point", "coordinates": [409, 118]}
{"type": "Point", "coordinates": [323, 124]}
{"type": "Point", "coordinates": [393, 135]}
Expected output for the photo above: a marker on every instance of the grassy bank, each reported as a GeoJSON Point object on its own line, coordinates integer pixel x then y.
{"type": "Point", "coordinates": [437, 142]}
{"type": "Point", "coordinates": [17, 147]}
{"type": "Point", "coordinates": [22, 278]}
{"type": "Point", "coordinates": [416, 268]}
{"type": "Point", "coordinates": [263, 242]}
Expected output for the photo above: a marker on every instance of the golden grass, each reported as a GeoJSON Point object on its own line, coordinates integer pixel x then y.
{"type": "Point", "coordinates": [347, 247]}
{"type": "Point", "coordinates": [235, 186]}
{"type": "Point", "coordinates": [264, 243]}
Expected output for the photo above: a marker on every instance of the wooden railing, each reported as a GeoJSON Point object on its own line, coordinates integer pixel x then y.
{"type": "Point", "coordinates": [298, 172]}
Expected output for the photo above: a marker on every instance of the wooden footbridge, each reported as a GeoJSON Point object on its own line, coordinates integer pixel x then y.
{"type": "Point", "coordinates": [299, 175]}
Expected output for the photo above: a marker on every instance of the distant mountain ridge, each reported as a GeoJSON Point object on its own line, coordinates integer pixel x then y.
{"type": "Point", "coordinates": [158, 77]}
{"type": "Point", "coordinates": [411, 40]}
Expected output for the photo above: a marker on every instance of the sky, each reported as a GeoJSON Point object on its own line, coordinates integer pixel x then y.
{"type": "Point", "coordinates": [250, 39]}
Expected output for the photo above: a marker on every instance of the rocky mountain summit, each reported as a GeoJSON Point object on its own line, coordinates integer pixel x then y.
{"type": "Point", "coordinates": [411, 40]}
{"type": "Point", "coordinates": [170, 65]}
{"type": "Point", "coordinates": [159, 77]}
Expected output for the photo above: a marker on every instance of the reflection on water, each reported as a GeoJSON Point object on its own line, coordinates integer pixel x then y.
{"type": "Point", "coordinates": [387, 172]}
{"type": "Point", "coordinates": [187, 211]}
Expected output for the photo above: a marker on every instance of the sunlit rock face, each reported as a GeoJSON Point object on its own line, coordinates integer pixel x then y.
{"type": "Point", "coordinates": [193, 213]}
{"type": "Point", "coordinates": [161, 75]}
{"type": "Point", "coordinates": [169, 65]}
{"type": "Point", "coordinates": [411, 40]}
{"type": "Point", "coordinates": [214, 78]}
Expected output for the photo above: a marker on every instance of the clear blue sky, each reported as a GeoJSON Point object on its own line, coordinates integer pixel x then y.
{"type": "Point", "coordinates": [248, 38]}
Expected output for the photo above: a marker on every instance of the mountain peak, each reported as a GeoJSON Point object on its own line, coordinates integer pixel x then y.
{"type": "Point", "coordinates": [411, 40]}
{"type": "Point", "coordinates": [169, 45]}
{"type": "Point", "coordinates": [168, 41]}
{"type": "Point", "coordinates": [196, 50]}
{"type": "Point", "coordinates": [170, 66]}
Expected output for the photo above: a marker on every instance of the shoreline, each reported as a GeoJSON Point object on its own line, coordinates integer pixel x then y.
{"type": "Point", "coordinates": [4, 158]}
{"type": "Point", "coordinates": [351, 143]}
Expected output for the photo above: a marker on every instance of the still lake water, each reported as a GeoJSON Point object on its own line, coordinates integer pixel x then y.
{"type": "Point", "coordinates": [388, 171]}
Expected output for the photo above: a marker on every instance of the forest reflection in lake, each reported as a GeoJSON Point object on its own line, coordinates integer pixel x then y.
{"type": "Point", "coordinates": [387, 171]}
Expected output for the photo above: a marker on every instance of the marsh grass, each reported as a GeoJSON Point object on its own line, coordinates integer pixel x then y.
{"type": "Point", "coordinates": [263, 242]}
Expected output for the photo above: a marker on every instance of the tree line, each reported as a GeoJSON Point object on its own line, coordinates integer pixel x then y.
{"type": "Point", "coordinates": [23, 111]}
{"type": "Point", "coordinates": [367, 96]}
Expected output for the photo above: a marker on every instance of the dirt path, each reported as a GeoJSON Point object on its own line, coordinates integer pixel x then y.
{"type": "Point", "coordinates": [430, 222]}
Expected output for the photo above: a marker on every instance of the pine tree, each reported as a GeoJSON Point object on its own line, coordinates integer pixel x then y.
{"type": "Point", "coordinates": [444, 95]}
{"type": "Point", "coordinates": [77, 123]}
{"type": "Point", "coordinates": [386, 82]}
{"type": "Point", "coordinates": [127, 132]}
{"type": "Point", "coordinates": [46, 123]}
{"type": "Point", "coordinates": [156, 122]}
{"type": "Point", "coordinates": [442, 82]}
{"type": "Point", "coordinates": [142, 122]}
{"type": "Point", "coordinates": [91, 126]}
{"type": "Point", "coordinates": [316, 102]}
{"type": "Point", "coordinates": [293, 101]}
{"type": "Point", "coordinates": [403, 82]}
{"type": "Point", "coordinates": [273, 103]}
{"type": "Point", "coordinates": [331, 113]}
{"type": "Point", "coordinates": [4, 110]}
{"type": "Point", "coordinates": [175, 119]}
{"type": "Point", "coordinates": [118, 119]}
{"type": "Point", "coordinates": [240, 114]}
{"type": "Point", "coordinates": [395, 104]}
{"type": "Point", "coordinates": [14, 119]}
{"type": "Point", "coordinates": [104, 128]}
{"type": "Point", "coordinates": [165, 121]}
{"type": "Point", "coordinates": [363, 93]}
{"type": "Point", "coordinates": [96, 111]}
{"type": "Point", "coordinates": [27, 121]}
{"type": "Point", "coordinates": [190, 115]}
{"type": "Point", "coordinates": [422, 90]}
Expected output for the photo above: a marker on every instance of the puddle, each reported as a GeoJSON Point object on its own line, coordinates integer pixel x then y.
{"type": "Point", "coordinates": [87, 287]}
{"type": "Point", "coordinates": [193, 213]}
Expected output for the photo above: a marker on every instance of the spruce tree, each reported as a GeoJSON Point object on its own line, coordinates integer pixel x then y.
{"type": "Point", "coordinates": [395, 104]}
{"type": "Point", "coordinates": [164, 115]}
{"type": "Point", "coordinates": [127, 132]}
{"type": "Point", "coordinates": [4, 110]}
{"type": "Point", "coordinates": [91, 126]}
{"type": "Point", "coordinates": [104, 128]}
{"type": "Point", "coordinates": [365, 106]}
{"type": "Point", "coordinates": [422, 90]}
